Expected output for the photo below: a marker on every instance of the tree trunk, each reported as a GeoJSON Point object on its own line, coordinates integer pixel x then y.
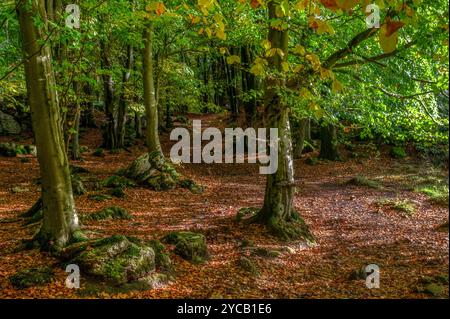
{"type": "Point", "coordinates": [123, 104]}
{"type": "Point", "coordinates": [110, 132]}
{"type": "Point", "coordinates": [248, 84]}
{"type": "Point", "coordinates": [60, 220]}
{"type": "Point", "coordinates": [299, 137]}
{"type": "Point", "coordinates": [329, 143]}
{"type": "Point", "coordinates": [278, 212]}
{"type": "Point", "coordinates": [151, 108]}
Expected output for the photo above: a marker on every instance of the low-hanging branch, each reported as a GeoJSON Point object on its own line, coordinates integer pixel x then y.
{"type": "Point", "coordinates": [374, 59]}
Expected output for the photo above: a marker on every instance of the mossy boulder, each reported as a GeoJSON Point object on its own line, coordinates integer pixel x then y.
{"type": "Point", "coordinates": [113, 212]}
{"type": "Point", "coordinates": [153, 171]}
{"type": "Point", "coordinates": [191, 246]}
{"type": "Point", "coordinates": [116, 259]}
{"type": "Point", "coordinates": [162, 259]}
{"type": "Point", "coordinates": [192, 186]}
{"type": "Point", "coordinates": [31, 277]}
{"type": "Point", "coordinates": [115, 181]}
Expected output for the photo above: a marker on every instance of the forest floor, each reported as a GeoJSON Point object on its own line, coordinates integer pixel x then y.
{"type": "Point", "coordinates": [351, 225]}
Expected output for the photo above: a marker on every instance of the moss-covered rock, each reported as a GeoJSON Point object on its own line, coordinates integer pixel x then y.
{"type": "Point", "coordinates": [113, 212]}
{"type": "Point", "coordinates": [116, 259]}
{"type": "Point", "coordinates": [248, 265]}
{"type": "Point", "coordinates": [191, 246]}
{"type": "Point", "coordinates": [364, 181]}
{"type": "Point", "coordinates": [115, 181]}
{"type": "Point", "coordinates": [31, 277]}
{"type": "Point", "coordinates": [162, 259]}
{"type": "Point", "coordinates": [153, 171]}
{"type": "Point", "coordinates": [192, 186]}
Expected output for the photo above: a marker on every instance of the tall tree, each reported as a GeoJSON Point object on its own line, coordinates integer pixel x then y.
{"type": "Point", "coordinates": [60, 220]}
{"type": "Point", "coordinates": [278, 211]}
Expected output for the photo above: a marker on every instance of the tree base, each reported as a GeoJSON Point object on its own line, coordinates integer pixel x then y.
{"type": "Point", "coordinates": [290, 229]}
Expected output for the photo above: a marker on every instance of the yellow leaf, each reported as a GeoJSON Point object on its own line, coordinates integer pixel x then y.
{"type": "Point", "coordinates": [388, 43]}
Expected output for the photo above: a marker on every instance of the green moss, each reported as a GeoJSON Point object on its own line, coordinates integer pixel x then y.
{"type": "Point", "coordinates": [117, 192]}
{"type": "Point", "coordinates": [99, 152]}
{"type": "Point", "coordinates": [398, 152]}
{"type": "Point", "coordinates": [434, 289]}
{"type": "Point", "coordinates": [191, 246]}
{"type": "Point", "coordinates": [294, 229]}
{"type": "Point", "coordinates": [31, 277]}
{"type": "Point", "coordinates": [162, 258]}
{"type": "Point", "coordinates": [161, 182]}
{"type": "Point", "coordinates": [77, 185]}
{"type": "Point", "coordinates": [268, 253]}
{"type": "Point", "coordinates": [312, 161]}
{"type": "Point", "coordinates": [438, 194]}
{"type": "Point", "coordinates": [246, 213]}
{"type": "Point", "coordinates": [364, 181]}
{"type": "Point", "coordinates": [113, 212]}
{"type": "Point", "coordinates": [115, 259]}
{"type": "Point", "coordinates": [99, 197]}
{"type": "Point", "coordinates": [248, 265]}
{"type": "Point", "coordinates": [403, 206]}
{"type": "Point", "coordinates": [115, 181]}
{"type": "Point", "coordinates": [192, 186]}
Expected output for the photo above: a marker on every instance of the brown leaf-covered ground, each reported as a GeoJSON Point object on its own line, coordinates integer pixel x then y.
{"type": "Point", "coordinates": [351, 229]}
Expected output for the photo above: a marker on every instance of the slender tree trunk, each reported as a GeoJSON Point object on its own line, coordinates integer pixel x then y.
{"type": "Point", "coordinates": [248, 84]}
{"type": "Point", "coordinates": [110, 132]}
{"type": "Point", "coordinates": [151, 108]}
{"type": "Point", "coordinates": [329, 142]}
{"type": "Point", "coordinates": [278, 211]}
{"type": "Point", "coordinates": [60, 220]}
{"type": "Point", "coordinates": [299, 137]}
{"type": "Point", "coordinates": [308, 130]}
{"type": "Point", "coordinates": [123, 104]}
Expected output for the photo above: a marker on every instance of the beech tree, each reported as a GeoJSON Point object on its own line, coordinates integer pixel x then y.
{"type": "Point", "coordinates": [60, 221]}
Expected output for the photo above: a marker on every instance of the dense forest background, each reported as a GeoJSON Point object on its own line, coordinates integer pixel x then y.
{"type": "Point", "coordinates": [90, 91]}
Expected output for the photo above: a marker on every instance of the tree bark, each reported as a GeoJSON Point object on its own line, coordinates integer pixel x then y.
{"type": "Point", "coordinates": [248, 84]}
{"type": "Point", "coordinates": [299, 137]}
{"type": "Point", "coordinates": [60, 219]}
{"type": "Point", "coordinates": [123, 103]}
{"type": "Point", "coordinates": [151, 107]}
{"type": "Point", "coordinates": [329, 142]}
{"type": "Point", "coordinates": [278, 212]}
{"type": "Point", "coordinates": [110, 133]}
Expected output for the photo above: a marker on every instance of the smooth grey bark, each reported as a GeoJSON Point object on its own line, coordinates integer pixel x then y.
{"type": "Point", "coordinates": [278, 211]}
{"type": "Point", "coordinates": [60, 219]}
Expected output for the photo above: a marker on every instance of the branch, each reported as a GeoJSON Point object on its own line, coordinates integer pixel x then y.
{"type": "Point", "coordinates": [374, 59]}
{"type": "Point", "coordinates": [360, 37]}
